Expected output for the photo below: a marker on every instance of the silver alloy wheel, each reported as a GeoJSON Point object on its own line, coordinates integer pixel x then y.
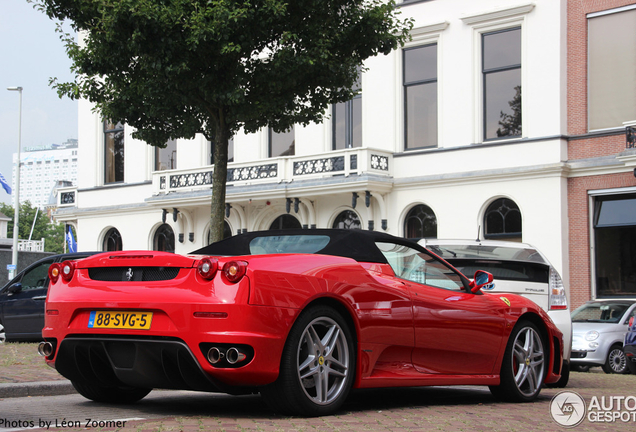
{"type": "Point", "coordinates": [528, 361]}
{"type": "Point", "coordinates": [3, 334]}
{"type": "Point", "coordinates": [323, 359]}
{"type": "Point", "coordinates": [617, 360]}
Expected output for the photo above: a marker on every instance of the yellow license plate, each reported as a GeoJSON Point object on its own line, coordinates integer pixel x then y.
{"type": "Point", "coordinates": [120, 320]}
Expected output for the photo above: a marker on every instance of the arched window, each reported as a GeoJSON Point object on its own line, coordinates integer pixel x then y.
{"type": "Point", "coordinates": [285, 222]}
{"type": "Point", "coordinates": [347, 219]}
{"type": "Point", "coordinates": [420, 222]}
{"type": "Point", "coordinates": [164, 239]}
{"type": "Point", "coordinates": [227, 232]}
{"type": "Point", "coordinates": [112, 241]}
{"type": "Point", "coordinates": [503, 220]}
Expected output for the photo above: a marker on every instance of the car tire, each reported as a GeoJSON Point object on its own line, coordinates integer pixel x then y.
{"type": "Point", "coordinates": [616, 362]}
{"type": "Point", "coordinates": [114, 395]}
{"type": "Point", "coordinates": [3, 334]}
{"type": "Point", "coordinates": [631, 365]}
{"type": "Point", "coordinates": [524, 365]}
{"type": "Point", "coordinates": [565, 377]}
{"type": "Point", "coordinates": [320, 349]}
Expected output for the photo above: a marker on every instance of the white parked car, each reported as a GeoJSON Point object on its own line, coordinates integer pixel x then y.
{"type": "Point", "coordinates": [599, 328]}
{"type": "Point", "coordinates": [517, 268]}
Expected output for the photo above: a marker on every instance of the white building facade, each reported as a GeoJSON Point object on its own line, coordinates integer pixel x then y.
{"type": "Point", "coordinates": [439, 143]}
{"type": "Point", "coordinates": [42, 168]}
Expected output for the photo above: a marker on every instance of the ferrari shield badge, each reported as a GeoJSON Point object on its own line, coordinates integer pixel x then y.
{"type": "Point", "coordinates": [505, 300]}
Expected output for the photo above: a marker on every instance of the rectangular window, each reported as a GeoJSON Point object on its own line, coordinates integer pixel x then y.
{"type": "Point", "coordinates": [282, 144]}
{"type": "Point", "coordinates": [347, 121]}
{"type": "Point", "coordinates": [501, 73]}
{"type": "Point", "coordinates": [166, 158]}
{"type": "Point", "coordinates": [113, 152]}
{"type": "Point", "coordinates": [615, 245]}
{"type": "Point", "coordinates": [611, 69]}
{"type": "Point", "coordinates": [420, 96]}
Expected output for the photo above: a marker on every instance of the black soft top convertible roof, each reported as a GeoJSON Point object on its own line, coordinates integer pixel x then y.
{"type": "Point", "coordinates": [356, 244]}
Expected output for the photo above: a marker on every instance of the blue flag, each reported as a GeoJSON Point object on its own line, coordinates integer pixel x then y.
{"type": "Point", "coordinates": [4, 184]}
{"type": "Point", "coordinates": [70, 240]}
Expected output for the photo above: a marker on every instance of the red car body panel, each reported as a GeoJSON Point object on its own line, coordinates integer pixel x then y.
{"type": "Point", "coordinates": [407, 334]}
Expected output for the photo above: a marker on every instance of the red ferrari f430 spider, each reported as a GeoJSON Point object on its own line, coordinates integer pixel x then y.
{"type": "Point", "coordinates": [301, 316]}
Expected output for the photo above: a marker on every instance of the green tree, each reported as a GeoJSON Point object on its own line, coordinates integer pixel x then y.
{"type": "Point", "coordinates": [42, 229]}
{"type": "Point", "coordinates": [174, 68]}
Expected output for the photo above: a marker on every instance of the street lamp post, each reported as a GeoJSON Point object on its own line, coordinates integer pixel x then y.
{"type": "Point", "coordinates": [16, 219]}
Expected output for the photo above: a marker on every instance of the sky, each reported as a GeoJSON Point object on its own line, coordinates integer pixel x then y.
{"type": "Point", "coordinates": [31, 53]}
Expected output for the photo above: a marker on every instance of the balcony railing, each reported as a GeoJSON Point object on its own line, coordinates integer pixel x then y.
{"type": "Point", "coordinates": [275, 170]}
{"type": "Point", "coordinates": [345, 163]}
{"type": "Point", "coordinates": [67, 197]}
{"type": "Point", "coordinates": [31, 245]}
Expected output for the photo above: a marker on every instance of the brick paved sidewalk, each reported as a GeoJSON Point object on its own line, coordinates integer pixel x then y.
{"type": "Point", "coordinates": [403, 410]}
{"type": "Point", "coordinates": [409, 410]}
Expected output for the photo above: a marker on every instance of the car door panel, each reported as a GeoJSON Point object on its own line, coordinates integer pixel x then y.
{"type": "Point", "coordinates": [455, 333]}
{"type": "Point", "coordinates": [23, 311]}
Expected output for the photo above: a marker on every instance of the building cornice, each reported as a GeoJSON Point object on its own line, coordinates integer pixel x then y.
{"type": "Point", "coordinates": [265, 191]}
{"type": "Point", "coordinates": [485, 176]}
{"type": "Point", "coordinates": [480, 146]}
{"type": "Point", "coordinates": [498, 14]}
{"type": "Point", "coordinates": [115, 186]}
{"type": "Point", "coordinates": [72, 213]}
{"type": "Point", "coordinates": [600, 166]}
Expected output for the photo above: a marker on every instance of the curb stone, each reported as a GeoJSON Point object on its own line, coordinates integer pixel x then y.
{"type": "Point", "coordinates": [41, 388]}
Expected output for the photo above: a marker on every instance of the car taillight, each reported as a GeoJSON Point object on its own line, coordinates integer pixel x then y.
{"type": "Point", "coordinates": [558, 299]}
{"type": "Point", "coordinates": [54, 272]}
{"type": "Point", "coordinates": [234, 270]}
{"type": "Point", "coordinates": [207, 268]}
{"type": "Point", "coordinates": [67, 268]}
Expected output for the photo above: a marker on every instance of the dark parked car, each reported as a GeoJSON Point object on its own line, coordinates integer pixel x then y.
{"type": "Point", "coordinates": [22, 299]}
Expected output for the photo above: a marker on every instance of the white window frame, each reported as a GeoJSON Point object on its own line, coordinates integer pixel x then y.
{"type": "Point", "coordinates": [496, 20]}
{"type": "Point", "coordinates": [420, 36]}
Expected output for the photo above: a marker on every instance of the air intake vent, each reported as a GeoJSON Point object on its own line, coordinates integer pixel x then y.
{"type": "Point", "coordinates": [133, 274]}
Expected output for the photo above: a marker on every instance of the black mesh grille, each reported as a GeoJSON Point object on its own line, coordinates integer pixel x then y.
{"type": "Point", "coordinates": [133, 274]}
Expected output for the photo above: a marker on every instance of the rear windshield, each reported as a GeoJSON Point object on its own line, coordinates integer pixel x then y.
{"type": "Point", "coordinates": [605, 312]}
{"type": "Point", "coordinates": [504, 270]}
{"type": "Point", "coordinates": [487, 252]}
{"type": "Point", "coordinates": [284, 244]}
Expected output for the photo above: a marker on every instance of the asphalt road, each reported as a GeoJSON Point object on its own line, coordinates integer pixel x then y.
{"type": "Point", "coordinates": [409, 409]}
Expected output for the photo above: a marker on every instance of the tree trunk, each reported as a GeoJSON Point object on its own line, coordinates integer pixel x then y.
{"type": "Point", "coordinates": [219, 178]}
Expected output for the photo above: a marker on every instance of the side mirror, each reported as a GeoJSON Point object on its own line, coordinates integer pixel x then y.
{"type": "Point", "coordinates": [482, 280]}
{"type": "Point", "coordinates": [15, 288]}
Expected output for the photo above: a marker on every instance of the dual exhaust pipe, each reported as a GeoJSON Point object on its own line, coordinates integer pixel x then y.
{"type": "Point", "coordinates": [232, 355]}
{"type": "Point", "coordinates": [45, 349]}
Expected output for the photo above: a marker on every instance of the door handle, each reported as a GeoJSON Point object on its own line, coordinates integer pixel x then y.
{"type": "Point", "coordinates": [40, 298]}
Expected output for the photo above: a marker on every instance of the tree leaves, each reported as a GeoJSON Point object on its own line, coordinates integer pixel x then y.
{"type": "Point", "coordinates": [174, 68]}
{"type": "Point", "coordinates": [43, 228]}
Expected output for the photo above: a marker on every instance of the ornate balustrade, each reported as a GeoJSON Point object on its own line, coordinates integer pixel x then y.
{"type": "Point", "coordinates": [67, 197]}
{"type": "Point", "coordinates": [275, 170]}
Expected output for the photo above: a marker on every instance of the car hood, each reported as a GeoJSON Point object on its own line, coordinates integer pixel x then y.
{"type": "Point", "coordinates": [584, 327]}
